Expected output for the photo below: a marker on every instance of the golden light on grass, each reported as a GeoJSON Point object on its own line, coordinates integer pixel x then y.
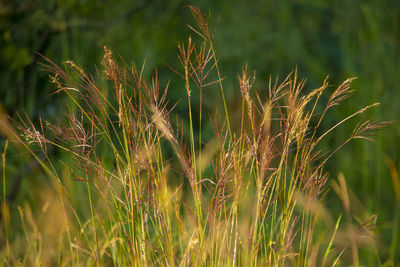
{"type": "Point", "coordinates": [148, 196]}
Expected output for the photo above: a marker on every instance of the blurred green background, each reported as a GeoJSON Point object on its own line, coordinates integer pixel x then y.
{"type": "Point", "coordinates": [339, 38]}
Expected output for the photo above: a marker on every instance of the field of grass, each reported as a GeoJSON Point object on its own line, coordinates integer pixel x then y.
{"type": "Point", "coordinates": [130, 181]}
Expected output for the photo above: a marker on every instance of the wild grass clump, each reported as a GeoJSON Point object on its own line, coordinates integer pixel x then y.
{"type": "Point", "coordinates": [250, 195]}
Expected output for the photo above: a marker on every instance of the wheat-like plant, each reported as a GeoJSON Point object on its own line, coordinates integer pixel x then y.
{"type": "Point", "coordinates": [252, 195]}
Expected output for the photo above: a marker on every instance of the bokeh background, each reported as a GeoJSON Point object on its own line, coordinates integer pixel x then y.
{"type": "Point", "coordinates": [338, 38]}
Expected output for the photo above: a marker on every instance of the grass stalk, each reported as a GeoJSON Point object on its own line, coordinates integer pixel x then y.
{"type": "Point", "coordinates": [243, 197]}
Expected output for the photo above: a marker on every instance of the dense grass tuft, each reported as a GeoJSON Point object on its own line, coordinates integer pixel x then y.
{"type": "Point", "coordinates": [250, 195]}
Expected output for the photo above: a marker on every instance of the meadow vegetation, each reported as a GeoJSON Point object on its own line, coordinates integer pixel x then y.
{"type": "Point", "coordinates": [133, 185]}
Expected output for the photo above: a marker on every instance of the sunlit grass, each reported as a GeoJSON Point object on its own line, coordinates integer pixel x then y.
{"type": "Point", "coordinates": [248, 196]}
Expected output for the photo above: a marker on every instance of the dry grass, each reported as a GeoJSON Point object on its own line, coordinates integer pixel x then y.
{"type": "Point", "coordinates": [262, 205]}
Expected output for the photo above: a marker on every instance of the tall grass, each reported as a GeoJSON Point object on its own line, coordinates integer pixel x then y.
{"type": "Point", "coordinates": [251, 195]}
